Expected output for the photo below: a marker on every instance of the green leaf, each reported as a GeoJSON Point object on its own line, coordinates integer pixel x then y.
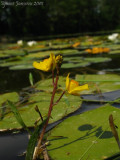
{"type": "Point", "coordinates": [104, 82]}
{"type": "Point", "coordinates": [13, 96]}
{"type": "Point", "coordinates": [85, 135]}
{"type": "Point", "coordinates": [33, 141]}
{"type": "Point", "coordinates": [67, 101]}
{"type": "Point", "coordinates": [17, 115]}
{"type": "Point", "coordinates": [31, 79]}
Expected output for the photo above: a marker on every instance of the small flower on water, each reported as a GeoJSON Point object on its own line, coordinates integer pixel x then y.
{"type": "Point", "coordinates": [97, 50]}
{"type": "Point", "coordinates": [76, 44]}
{"type": "Point", "coordinates": [73, 86]}
{"type": "Point", "coordinates": [113, 36]}
{"type": "Point", "coordinates": [20, 42]}
{"type": "Point", "coordinates": [31, 43]}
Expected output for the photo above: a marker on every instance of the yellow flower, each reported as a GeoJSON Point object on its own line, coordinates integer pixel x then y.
{"type": "Point", "coordinates": [76, 44]}
{"type": "Point", "coordinates": [73, 86]}
{"type": "Point", "coordinates": [47, 64]}
{"type": "Point", "coordinates": [88, 50]}
{"type": "Point", "coordinates": [106, 50]}
{"type": "Point", "coordinates": [98, 50]}
{"type": "Point", "coordinates": [95, 50]}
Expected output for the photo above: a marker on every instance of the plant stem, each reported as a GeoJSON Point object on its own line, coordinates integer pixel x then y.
{"type": "Point", "coordinates": [48, 117]}
{"type": "Point", "coordinates": [59, 98]}
{"type": "Point", "coordinates": [53, 77]}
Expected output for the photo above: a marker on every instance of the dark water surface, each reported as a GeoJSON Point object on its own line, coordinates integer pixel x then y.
{"type": "Point", "coordinates": [12, 146]}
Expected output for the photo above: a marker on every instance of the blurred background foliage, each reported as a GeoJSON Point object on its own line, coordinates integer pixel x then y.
{"type": "Point", "coordinates": [59, 17]}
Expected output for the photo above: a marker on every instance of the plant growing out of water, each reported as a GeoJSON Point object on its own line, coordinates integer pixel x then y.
{"type": "Point", "coordinates": [72, 87]}
{"type": "Point", "coordinates": [50, 64]}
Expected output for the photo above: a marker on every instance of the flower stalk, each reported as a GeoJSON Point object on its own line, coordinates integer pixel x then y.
{"type": "Point", "coordinates": [48, 116]}
{"type": "Point", "coordinates": [59, 98]}
{"type": "Point", "coordinates": [72, 87]}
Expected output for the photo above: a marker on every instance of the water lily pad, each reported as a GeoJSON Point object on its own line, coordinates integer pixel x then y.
{"type": "Point", "coordinates": [74, 62]}
{"type": "Point", "coordinates": [67, 104]}
{"type": "Point", "coordinates": [47, 85]}
{"type": "Point", "coordinates": [13, 96]}
{"type": "Point", "coordinates": [115, 52]}
{"type": "Point", "coordinates": [100, 83]}
{"type": "Point", "coordinates": [98, 59]}
{"type": "Point", "coordinates": [91, 60]}
{"type": "Point", "coordinates": [85, 133]}
{"type": "Point", "coordinates": [22, 66]}
{"type": "Point", "coordinates": [12, 52]}
{"type": "Point", "coordinates": [75, 65]}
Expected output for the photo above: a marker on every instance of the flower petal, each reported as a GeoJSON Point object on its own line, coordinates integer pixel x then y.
{"type": "Point", "coordinates": [47, 64]}
{"type": "Point", "coordinates": [78, 89]}
{"type": "Point", "coordinates": [42, 66]}
{"type": "Point", "coordinates": [53, 61]}
{"type": "Point", "coordinates": [67, 82]}
{"type": "Point", "coordinates": [73, 84]}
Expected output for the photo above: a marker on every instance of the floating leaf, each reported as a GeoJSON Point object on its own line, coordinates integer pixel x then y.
{"type": "Point", "coordinates": [105, 82]}
{"type": "Point", "coordinates": [86, 134]}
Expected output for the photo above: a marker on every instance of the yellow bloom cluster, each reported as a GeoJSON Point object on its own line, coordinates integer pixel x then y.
{"type": "Point", "coordinates": [73, 86]}
{"type": "Point", "coordinates": [98, 50]}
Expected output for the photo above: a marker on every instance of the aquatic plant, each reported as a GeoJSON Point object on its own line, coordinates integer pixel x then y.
{"type": "Point", "coordinates": [71, 86]}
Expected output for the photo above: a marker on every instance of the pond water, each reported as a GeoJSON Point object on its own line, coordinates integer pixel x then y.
{"type": "Point", "coordinates": [12, 146]}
